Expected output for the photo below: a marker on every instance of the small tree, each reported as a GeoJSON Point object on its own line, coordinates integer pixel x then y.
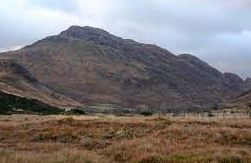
{"type": "Point", "coordinates": [144, 109]}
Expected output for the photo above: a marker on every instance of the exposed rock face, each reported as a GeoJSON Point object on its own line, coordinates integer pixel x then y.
{"type": "Point", "coordinates": [92, 66]}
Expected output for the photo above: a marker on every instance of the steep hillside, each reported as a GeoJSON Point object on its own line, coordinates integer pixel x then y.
{"type": "Point", "coordinates": [17, 80]}
{"type": "Point", "coordinates": [244, 97]}
{"type": "Point", "coordinates": [93, 67]}
{"type": "Point", "coordinates": [247, 84]}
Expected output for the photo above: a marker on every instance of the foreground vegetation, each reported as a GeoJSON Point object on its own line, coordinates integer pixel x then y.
{"type": "Point", "coordinates": [77, 139]}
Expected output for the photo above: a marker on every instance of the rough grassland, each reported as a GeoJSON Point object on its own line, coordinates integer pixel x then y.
{"type": "Point", "coordinates": [77, 139]}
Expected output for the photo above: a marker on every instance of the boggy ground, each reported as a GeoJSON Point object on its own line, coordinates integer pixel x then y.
{"type": "Point", "coordinates": [77, 139]}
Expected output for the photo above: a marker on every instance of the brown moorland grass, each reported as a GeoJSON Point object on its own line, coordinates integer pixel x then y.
{"type": "Point", "coordinates": [77, 139]}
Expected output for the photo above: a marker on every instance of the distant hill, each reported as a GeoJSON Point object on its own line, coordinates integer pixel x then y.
{"type": "Point", "coordinates": [91, 66]}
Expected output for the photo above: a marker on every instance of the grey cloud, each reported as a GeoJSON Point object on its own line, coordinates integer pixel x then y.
{"type": "Point", "coordinates": [230, 52]}
{"type": "Point", "coordinates": [63, 5]}
{"type": "Point", "coordinates": [218, 31]}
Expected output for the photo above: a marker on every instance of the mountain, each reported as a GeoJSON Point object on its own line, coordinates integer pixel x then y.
{"type": "Point", "coordinates": [93, 67]}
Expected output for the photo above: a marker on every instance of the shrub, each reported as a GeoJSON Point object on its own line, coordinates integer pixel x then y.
{"type": "Point", "coordinates": [210, 114]}
{"type": "Point", "coordinates": [146, 113]}
{"type": "Point", "coordinates": [76, 112]}
{"type": "Point", "coordinates": [152, 159]}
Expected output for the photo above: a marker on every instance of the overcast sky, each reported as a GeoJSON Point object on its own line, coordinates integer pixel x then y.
{"type": "Point", "coordinates": [217, 31]}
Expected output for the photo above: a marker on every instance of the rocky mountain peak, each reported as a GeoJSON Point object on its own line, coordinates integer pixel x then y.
{"type": "Point", "coordinates": [84, 32]}
{"type": "Point", "coordinates": [91, 34]}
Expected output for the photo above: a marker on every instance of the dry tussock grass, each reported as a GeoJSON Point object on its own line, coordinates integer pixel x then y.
{"type": "Point", "coordinates": [125, 139]}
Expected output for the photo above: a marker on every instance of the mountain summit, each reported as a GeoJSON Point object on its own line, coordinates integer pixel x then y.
{"type": "Point", "coordinates": [86, 33]}
{"type": "Point", "coordinates": [94, 35]}
{"type": "Point", "coordinates": [93, 67]}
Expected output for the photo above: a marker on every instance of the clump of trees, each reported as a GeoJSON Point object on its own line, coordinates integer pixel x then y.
{"type": "Point", "coordinates": [146, 113]}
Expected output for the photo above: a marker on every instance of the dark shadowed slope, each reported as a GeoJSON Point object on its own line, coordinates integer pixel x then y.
{"type": "Point", "coordinates": [92, 66]}
{"type": "Point", "coordinates": [16, 104]}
